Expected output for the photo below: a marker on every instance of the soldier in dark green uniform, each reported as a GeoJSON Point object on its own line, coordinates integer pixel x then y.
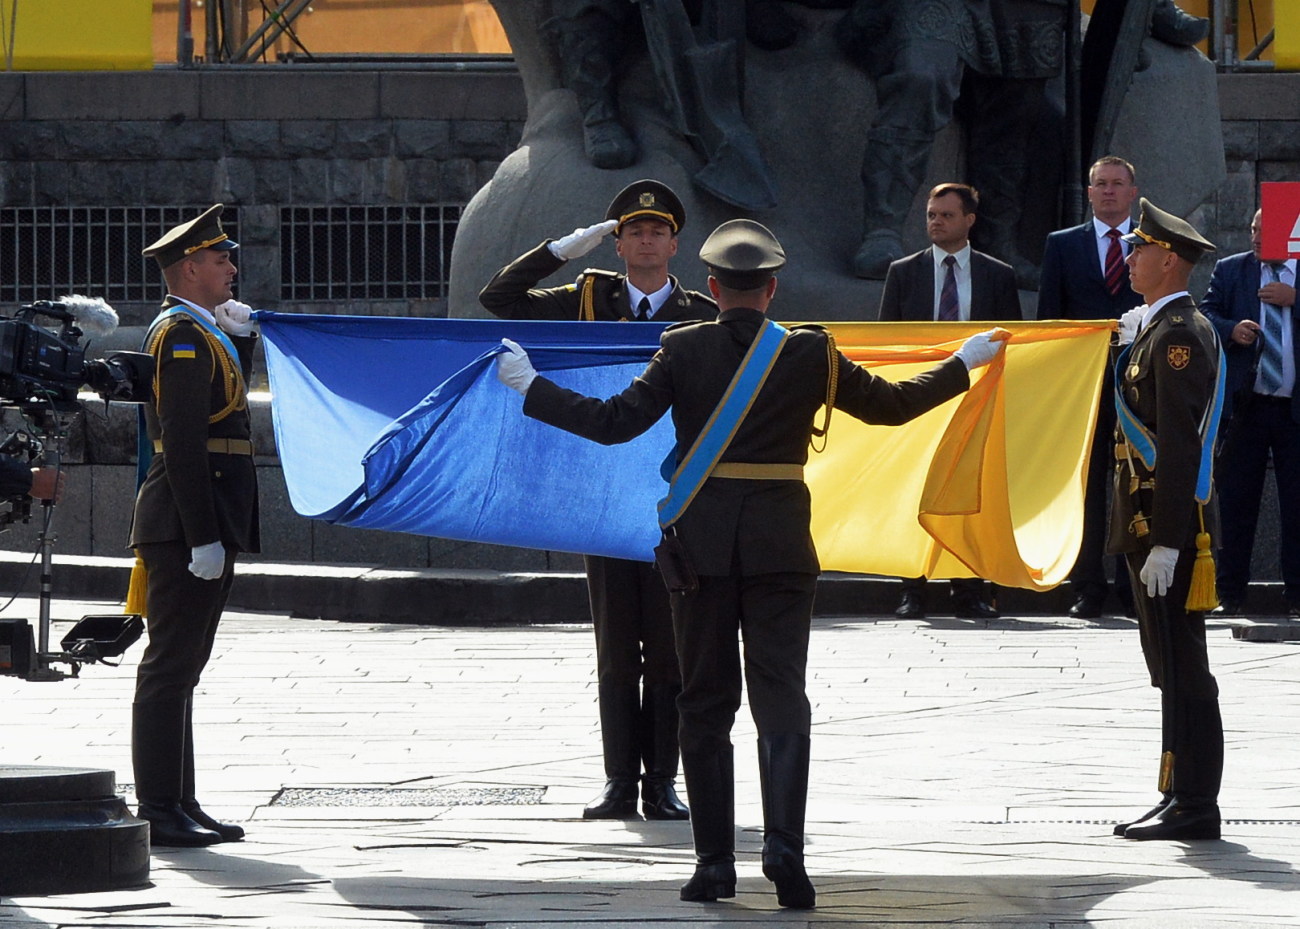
{"type": "Point", "coordinates": [196, 509]}
{"type": "Point", "coordinates": [1166, 381]}
{"type": "Point", "coordinates": [635, 661]}
{"type": "Point", "coordinates": [747, 535]}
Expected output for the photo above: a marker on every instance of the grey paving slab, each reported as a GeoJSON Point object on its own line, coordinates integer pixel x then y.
{"type": "Point", "coordinates": [962, 775]}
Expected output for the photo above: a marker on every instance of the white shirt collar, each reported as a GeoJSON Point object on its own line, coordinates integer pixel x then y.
{"type": "Point", "coordinates": [963, 256]}
{"type": "Point", "coordinates": [206, 314]}
{"type": "Point", "coordinates": [657, 299]}
{"type": "Point", "coordinates": [1101, 228]}
{"type": "Point", "coordinates": [1155, 308]}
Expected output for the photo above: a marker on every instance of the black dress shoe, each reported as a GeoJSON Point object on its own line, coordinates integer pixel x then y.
{"type": "Point", "coordinates": [1086, 608]}
{"type": "Point", "coordinates": [1229, 607]}
{"type": "Point", "coordinates": [783, 866]}
{"type": "Point", "coordinates": [170, 827]}
{"type": "Point", "coordinates": [1164, 802]}
{"type": "Point", "coordinates": [710, 882]}
{"type": "Point", "coordinates": [616, 801]}
{"type": "Point", "coordinates": [1180, 821]}
{"type": "Point", "coordinates": [974, 609]}
{"type": "Point", "coordinates": [229, 832]}
{"type": "Point", "coordinates": [910, 607]}
{"type": "Point", "coordinates": [659, 799]}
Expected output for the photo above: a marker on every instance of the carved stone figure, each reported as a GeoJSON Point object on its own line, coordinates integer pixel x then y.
{"type": "Point", "coordinates": [810, 109]}
{"type": "Point", "coordinates": [997, 57]}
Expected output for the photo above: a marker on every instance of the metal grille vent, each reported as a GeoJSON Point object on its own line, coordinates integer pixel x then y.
{"type": "Point", "coordinates": [48, 251]}
{"type": "Point", "coordinates": [408, 796]}
{"type": "Point", "coordinates": [341, 253]}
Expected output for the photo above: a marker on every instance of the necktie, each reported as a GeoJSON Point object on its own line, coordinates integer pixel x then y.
{"type": "Point", "coordinates": [1114, 264]}
{"type": "Point", "coordinates": [948, 296]}
{"type": "Point", "coordinates": [643, 309]}
{"type": "Point", "coordinates": [1270, 352]}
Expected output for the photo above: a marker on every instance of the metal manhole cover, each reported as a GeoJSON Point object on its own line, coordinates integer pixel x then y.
{"type": "Point", "coordinates": [408, 796]}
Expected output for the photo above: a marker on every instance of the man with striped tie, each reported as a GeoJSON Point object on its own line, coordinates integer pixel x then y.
{"type": "Point", "coordinates": [1084, 277]}
{"type": "Point", "coordinates": [1251, 302]}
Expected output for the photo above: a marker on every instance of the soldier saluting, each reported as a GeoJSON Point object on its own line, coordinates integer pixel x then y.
{"type": "Point", "coordinates": [636, 663]}
{"type": "Point", "coordinates": [744, 393]}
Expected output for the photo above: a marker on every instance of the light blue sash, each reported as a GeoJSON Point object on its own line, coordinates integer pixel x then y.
{"type": "Point", "coordinates": [718, 432]}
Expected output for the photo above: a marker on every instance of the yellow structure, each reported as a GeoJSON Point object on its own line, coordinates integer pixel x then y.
{"type": "Point", "coordinates": [77, 35]}
{"type": "Point", "coordinates": [353, 27]}
{"type": "Point", "coordinates": [1286, 42]}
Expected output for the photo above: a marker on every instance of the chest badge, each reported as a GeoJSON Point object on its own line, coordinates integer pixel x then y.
{"type": "Point", "coordinates": [1180, 356]}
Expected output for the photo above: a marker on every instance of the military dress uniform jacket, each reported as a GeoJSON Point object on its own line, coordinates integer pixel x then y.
{"type": "Point", "coordinates": [191, 493]}
{"type": "Point", "coordinates": [1168, 382]}
{"type": "Point", "coordinates": [741, 526]}
{"type": "Point", "coordinates": [512, 294]}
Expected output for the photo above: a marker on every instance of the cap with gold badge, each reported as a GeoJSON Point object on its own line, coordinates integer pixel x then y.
{"type": "Point", "coordinates": [1157, 227]}
{"type": "Point", "coordinates": [742, 254]}
{"type": "Point", "coordinates": [204, 231]}
{"type": "Point", "coordinates": [647, 199]}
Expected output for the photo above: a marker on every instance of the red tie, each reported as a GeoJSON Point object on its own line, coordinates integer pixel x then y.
{"type": "Point", "coordinates": [1114, 264]}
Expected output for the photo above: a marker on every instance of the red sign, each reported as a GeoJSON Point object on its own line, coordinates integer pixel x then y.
{"type": "Point", "coordinates": [1279, 205]}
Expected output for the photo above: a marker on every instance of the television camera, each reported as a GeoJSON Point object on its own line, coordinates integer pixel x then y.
{"type": "Point", "coordinates": [42, 370]}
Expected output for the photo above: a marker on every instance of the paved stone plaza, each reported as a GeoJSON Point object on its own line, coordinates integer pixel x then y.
{"type": "Point", "coordinates": [963, 773]}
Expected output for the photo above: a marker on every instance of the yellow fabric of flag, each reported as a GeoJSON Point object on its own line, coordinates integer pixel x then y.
{"type": "Point", "coordinates": [987, 485]}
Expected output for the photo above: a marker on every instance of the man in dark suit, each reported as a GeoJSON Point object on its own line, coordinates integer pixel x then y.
{"type": "Point", "coordinates": [636, 664]}
{"type": "Point", "coordinates": [1251, 303]}
{"type": "Point", "coordinates": [746, 534]}
{"type": "Point", "coordinates": [949, 281]}
{"type": "Point", "coordinates": [196, 509]}
{"type": "Point", "coordinates": [1163, 500]}
{"type": "Point", "coordinates": [1084, 277]}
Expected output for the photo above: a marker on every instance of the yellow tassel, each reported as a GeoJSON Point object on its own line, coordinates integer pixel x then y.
{"type": "Point", "coordinates": [1202, 596]}
{"type": "Point", "coordinates": [136, 590]}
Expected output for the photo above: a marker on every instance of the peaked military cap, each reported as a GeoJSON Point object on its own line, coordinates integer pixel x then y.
{"type": "Point", "coordinates": [1156, 227]}
{"type": "Point", "coordinates": [742, 254]}
{"type": "Point", "coordinates": [204, 231]}
{"type": "Point", "coordinates": [647, 199]}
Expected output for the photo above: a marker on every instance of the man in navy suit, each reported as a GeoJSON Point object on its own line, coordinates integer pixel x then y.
{"type": "Point", "coordinates": [949, 281]}
{"type": "Point", "coordinates": [1251, 303]}
{"type": "Point", "coordinates": [1084, 277]}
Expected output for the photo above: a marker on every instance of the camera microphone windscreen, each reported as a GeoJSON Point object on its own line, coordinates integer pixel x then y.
{"type": "Point", "coordinates": [93, 315]}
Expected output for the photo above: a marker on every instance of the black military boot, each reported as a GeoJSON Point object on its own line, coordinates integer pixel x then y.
{"type": "Point", "coordinates": [157, 755]}
{"type": "Point", "coordinates": [659, 753]}
{"type": "Point", "coordinates": [783, 774]}
{"type": "Point", "coordinates": [1193, 811]}
{"type": "Point", "coordinates": [229, 832]}
{"type": "Point", "coordinates": [1165, 799]}
{"type": "Point", "coordinates": [620, 706]}
{"type": "Point", "coordinates": [710, 781]}
{"type": "Point", "coordinates": [590, 46]}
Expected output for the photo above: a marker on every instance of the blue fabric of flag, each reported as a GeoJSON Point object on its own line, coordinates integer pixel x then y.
{"type": "Point", "coordinates": [401, 424]}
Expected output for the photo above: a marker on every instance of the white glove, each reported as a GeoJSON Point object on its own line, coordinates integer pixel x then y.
{"type": "Point", "coordinates": [1130, 323]}
{"type": "Point", "coordinates": [513, 367]}
{"type": "Point", "coordinates": [581, 241]}
{"type": "Point", "coordinates": [235, 318]}
{"type": "Point", "coordinates": [207, 562]}
{"type": "Point", "coordinates": [1158, 572]}
{"type": "Point", "coordinates": [981, 348]}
